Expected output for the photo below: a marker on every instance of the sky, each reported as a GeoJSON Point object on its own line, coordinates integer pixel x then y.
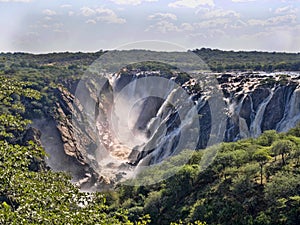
{"type": "Point", "coordinates": [41, 26]}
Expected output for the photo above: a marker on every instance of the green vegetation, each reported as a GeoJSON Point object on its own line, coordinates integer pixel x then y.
{"type": "Point", "coordinates": [73, 64]}
{"type": "Point", "coordinates": [220, 61]}
{"type": "Point", "coordinates": [12, 96]}
{"type": "Point", "coordinates": [252, 181]}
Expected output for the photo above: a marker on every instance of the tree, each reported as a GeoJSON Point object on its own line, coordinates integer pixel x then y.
{"type": "Point", "coordinates": [295, 131]}
{"type": "Point", "coordinates": [262, 157]}
{"type": "Point", "coordinates": [268, 137]}
{"type": "Point", "coordinates": [282, 148]}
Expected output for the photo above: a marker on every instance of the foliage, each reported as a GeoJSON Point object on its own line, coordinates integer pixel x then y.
{"type": "Point", "coordinates": [220, 61]}
{"type": "Point", "coordinates": [243, 185]}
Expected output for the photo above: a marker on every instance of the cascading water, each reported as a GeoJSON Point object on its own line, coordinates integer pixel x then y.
{"type": "Point", "coordinates": [292, 113]}
{"type": "Point", "coordinates": [129, 125]}
{"type": "Point", "coordinates": [144, 131]}
{"type": "Point", "coordinates": [255, 129]}
{"type": "Point", "coordinates": [136, 119]}
{"type": "Point", "coordinates": [143, 126]}
{"type": "Point", "coordinates": [261, 102]}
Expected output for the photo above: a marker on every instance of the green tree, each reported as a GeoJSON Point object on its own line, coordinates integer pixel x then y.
{"type": "Point", "coordinates": [282, 148]}
{"type": "Point", "coordinates": [262, 156]}
{"type": "Point", "coordinates": [267, 138]}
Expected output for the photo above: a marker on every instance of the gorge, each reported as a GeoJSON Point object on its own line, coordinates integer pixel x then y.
{"type": "Point", "coordinates": [106, 137]}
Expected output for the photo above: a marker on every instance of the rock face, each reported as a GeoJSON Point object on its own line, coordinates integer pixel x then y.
{"type": "Point", "coordinates": [32, 134]}
{"type": "Point", "coordinates": [100, 153]}
{"type": "Point", "coordinates": [259, 102]}
{"type": "Point", "coordinates": [67, 143]}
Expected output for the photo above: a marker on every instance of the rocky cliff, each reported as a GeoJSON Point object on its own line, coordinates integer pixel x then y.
{"type": "Point", "coordinates": [259, 102]}
{"type": "Point", "coordinates": [102, 135]}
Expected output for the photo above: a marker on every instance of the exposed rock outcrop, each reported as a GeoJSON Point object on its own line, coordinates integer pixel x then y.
{"type": "Point", "coordinates": [100, 154]}
{"type": "Point", "coordinates": [257, 103]}
{"type": "Point", "coordinates": [32, 134]}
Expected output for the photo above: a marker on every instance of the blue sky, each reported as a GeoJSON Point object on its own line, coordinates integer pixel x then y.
{"type": "Point", "coordinates": [90, 25]}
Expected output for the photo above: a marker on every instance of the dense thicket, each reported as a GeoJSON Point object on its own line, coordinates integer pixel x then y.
{"type": "Point", "coordinates": [253, 181]}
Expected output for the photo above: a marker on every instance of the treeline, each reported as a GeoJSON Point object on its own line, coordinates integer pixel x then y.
{"type": "Point", "coordinates": [220, 61]}
{"type": "Point", "coordinates": [252, 181]}
{"type": "Point", "coordinates": [217, 60]}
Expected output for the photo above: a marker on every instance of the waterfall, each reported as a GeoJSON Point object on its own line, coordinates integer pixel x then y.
{"type": "Point", "coordinates": [147, 121]}
{"type": "Point", "coordinates": [292, 115]}
{"type": "Point", "coordinates": [255, 128]}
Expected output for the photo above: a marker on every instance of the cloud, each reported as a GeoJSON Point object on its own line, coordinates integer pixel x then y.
{"type": "Point", "coordinates": [86, 11]}
{"type": "Point", "coordinates": [187, 27]}
{"type": "Point", "coordinates": [109, 16]}
{"type": "Point", "coordinates": [191, 3]}
{"type": "Point", "coordinates": [164, 27]}
{"type": "Point", "coordinates": [102, 14]}
{"type": "Point", "coordinates": [220, 13]}
{"type": "Point", "coordinates": [24, 1]}
{"type": "Point", "coordinates": [66, 6]}
{"type": "Point", "coordinates": [131, 2]}
{"type": "Point", "coordinates": [273, 20]}
{"type": "Point", "coordinates": [286, 9]}
{"type": "Point", "coordinates": [54, 26]}
{"type": "Point", "coordinates": [237, 24]}
{"type": "Point", "coordinates": [91, 21]}
{"type": "Point", "coordinates": [243, 0]}
{"type": "Point", "coordinates": [162, 16]}
{"type": "Point", "coordinates": [49, 12]}
{"type": "Point", "coordinates": [217, 22]}
{"type": "Point", "coordinates": [210, 35]}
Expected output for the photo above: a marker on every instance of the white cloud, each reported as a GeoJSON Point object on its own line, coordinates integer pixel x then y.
{"type": "Point", "coordinates": [237, 24]}
{"type": "Point", "coordinates": [131, 2]}
{"type": "Point", "coordinates": [109, 16]}
{"type": "Point", "coordinates": [217, 22]}
{"type": "Point", "coordinates": [221, 13]}
{"type": "Point", "coordinates": [210, 35]}
{"type": "Point", "coordinates": [91, 21]}
{"type": "Point", "coordinates": [25, 1]}
{"type": "Point", "coordinates": [243, 0]}
{"type": "Point", "coordinates": [86, 11]}
{"type": "Point", "coordinates": [164, 26]}
{"type": "Point", "coordinates": [191, 3]}
{"type": "Point", "coordinates": [49, 12]}
{"type": "Point", "coordinates": [278, 39]}
{"type": "Point", "coordinates": [187, 27]}
{"type": "Point", "coordinates": [273, 21]}
{"type": "Point", "coordinates": [66, 6]}
{"type": "Point", "coordinates": [162, 16]}
{"type": "Point", "coordinates": [102, 14]}
{"type": "Point", "coordinates": [286, 9]}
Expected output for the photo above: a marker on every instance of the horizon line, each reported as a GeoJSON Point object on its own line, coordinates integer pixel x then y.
{"type": "Point", "coordinates": [145, 49]}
